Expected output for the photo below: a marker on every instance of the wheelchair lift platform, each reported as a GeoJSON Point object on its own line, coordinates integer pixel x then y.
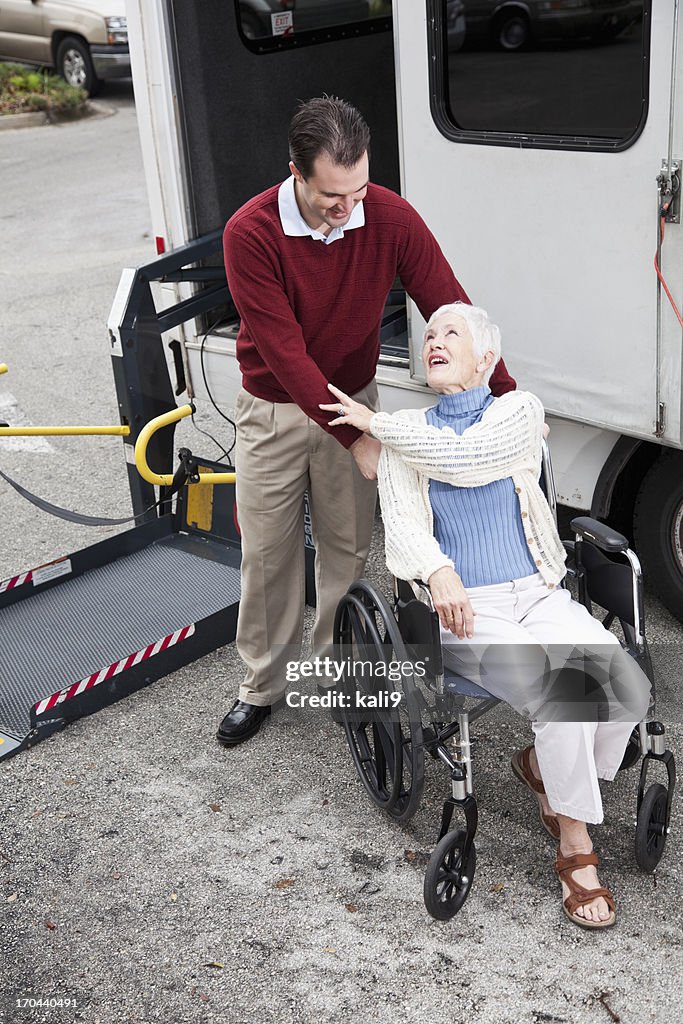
{"type": "Point", "coordinates": [91, 628]}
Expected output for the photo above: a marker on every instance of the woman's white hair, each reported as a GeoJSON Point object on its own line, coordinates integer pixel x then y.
{"type": "Point", "coordinates": [485, 335]}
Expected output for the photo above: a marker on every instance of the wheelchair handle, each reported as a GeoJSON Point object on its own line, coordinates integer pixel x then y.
{"type": "Point", "coordinates": [166, 479]}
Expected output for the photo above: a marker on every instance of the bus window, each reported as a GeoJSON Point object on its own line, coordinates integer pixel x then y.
{"type": "Point", "coordinates": [548, 73]}
{"type": "Point", "coordinates": [267, 25]}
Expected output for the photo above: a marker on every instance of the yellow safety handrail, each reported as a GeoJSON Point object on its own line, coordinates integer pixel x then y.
{"type": "Point", "coordinates": [166, 479]}
{"type": "Point", "coordinates": [120, 431]}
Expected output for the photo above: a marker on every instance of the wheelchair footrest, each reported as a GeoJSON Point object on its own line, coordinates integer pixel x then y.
{"type": "Point", "coordinates": [461, 686]}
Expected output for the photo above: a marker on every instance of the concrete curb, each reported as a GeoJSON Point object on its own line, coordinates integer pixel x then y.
{"type": "Point", "coordinates": [30, 120]}
{"type": "Point", "coordinates": [38, 118]}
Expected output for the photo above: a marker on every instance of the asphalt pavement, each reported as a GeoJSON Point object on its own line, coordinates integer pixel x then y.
{"type": "Point", "coordinates": [148, 874]}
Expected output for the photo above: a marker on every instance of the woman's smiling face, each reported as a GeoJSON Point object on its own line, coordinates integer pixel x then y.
{"type": "Point", "coordinates": [448, 356]}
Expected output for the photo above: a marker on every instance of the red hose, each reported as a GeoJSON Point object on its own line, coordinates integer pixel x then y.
{"type": "Point", "coordinates": [659, 273]}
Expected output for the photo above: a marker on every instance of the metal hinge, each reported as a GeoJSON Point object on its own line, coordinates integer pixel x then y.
{"type": "Point", "coordinates": [661, 420]}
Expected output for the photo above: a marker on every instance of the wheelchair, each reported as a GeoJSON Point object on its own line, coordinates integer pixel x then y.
{"type": "Point", "coordinates": [393, 715]}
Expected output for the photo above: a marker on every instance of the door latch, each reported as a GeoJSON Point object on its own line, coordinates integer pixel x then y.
{"type": "Point", "coordinates": [669, 191]}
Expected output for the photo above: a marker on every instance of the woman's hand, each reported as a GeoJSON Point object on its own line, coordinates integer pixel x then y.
{"type": "Point", "coordinates": [348, 412]}
{"type": "Point", "coordinates": [452, 603]}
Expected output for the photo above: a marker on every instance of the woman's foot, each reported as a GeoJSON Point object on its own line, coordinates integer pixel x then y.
{"type": "Point", "coordinates": [525, 767]}
{"type": "Point", "coordinates": [586, 902]}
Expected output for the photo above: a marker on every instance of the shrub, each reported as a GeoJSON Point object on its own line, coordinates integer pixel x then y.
{"type": "Point", "coordinates": [23, 90]}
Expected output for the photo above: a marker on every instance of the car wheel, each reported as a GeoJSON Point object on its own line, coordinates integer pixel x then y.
{"type": "Point", "coordinates": [658, 529]}
{"type": "Point", "coordinates": [75, 65]}
{"type": "Point", "coordinates": [511, 30]}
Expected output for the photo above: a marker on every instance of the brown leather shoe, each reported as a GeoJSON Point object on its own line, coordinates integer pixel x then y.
{"type": "Point", "coordinates": [578, 896]}
{"type": "Point", "coordinates": [522, 769]}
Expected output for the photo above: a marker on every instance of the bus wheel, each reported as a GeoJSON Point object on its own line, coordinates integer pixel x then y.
{"type": "Point", "coordinates": [658, 528]}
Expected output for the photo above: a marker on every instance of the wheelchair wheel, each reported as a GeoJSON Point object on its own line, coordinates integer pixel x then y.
{"type": "Point", "coordinates": [448, 880]}
{"type": "Point", "coordinates": [651, 827]}
{"type": "Point", "coordinates": [385, 741]}
{"type": "Point", "coordinates": [632, 752]}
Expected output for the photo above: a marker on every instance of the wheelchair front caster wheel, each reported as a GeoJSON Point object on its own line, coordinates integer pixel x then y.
{"type": "Point", "coordinates": [448, 880]}
{"type": "Point", "coordinates": [651, 827]}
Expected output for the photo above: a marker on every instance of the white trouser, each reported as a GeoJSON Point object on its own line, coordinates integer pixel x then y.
{"type": "Point", "coordinates": [575, 745]}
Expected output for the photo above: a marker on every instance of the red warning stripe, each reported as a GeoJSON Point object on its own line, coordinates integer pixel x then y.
{"type": "Point", "coordinates": [114, 669]}
{"type": "Point", "coordinates": [16, 581]}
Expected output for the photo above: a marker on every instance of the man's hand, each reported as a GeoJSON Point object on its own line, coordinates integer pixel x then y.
{"type": "Point", "coordinates": [452, 603]}
{"type": "Point", "coordinates": [366, 451]}
{"type": "Point", "coordinates": [349, 413]}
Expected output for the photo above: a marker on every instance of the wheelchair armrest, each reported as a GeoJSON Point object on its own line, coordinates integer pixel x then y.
{"type": "Point", "coordinates": [419, 624]}
{"type": "Point", "coordinates": [602, 536]}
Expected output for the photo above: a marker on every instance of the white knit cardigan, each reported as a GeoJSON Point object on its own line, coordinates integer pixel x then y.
{"type": "Point", "coordinates": [505, 442]}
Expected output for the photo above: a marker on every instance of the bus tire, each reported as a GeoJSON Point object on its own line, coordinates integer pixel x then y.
{"type": "Point", "coordinates": [658, 529]}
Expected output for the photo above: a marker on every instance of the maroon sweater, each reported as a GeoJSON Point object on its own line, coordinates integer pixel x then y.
{"type": "Point", "coordinates": [311, 312]}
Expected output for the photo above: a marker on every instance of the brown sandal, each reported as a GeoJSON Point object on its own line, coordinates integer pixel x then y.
{"type": "Point", "coordinates": [578, 896]}
{"type": "Point", "coordinates": [522, 769]}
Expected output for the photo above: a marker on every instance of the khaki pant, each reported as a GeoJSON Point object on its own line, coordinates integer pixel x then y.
{"type": "Point", "coordinates": [281, 453]}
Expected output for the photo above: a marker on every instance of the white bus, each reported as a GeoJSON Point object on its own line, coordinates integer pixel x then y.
{"type": "Point", "coordinates": [540, 141]}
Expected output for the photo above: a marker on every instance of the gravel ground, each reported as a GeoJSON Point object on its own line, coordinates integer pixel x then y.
{"type": "Point", "coordinates": [154, 875]}
{"type": "Point", "coordinates": [148, 873]}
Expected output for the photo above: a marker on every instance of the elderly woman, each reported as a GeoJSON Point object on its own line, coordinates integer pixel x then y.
{"type": "Point", "coordinates": [459, 487]}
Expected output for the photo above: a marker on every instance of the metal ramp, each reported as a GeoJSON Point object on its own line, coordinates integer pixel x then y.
{"type": "Point", "coordinates": [92, 628]}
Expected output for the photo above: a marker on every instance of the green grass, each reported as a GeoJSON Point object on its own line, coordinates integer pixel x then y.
{"type": "Point", "coordinates": [23, 90]}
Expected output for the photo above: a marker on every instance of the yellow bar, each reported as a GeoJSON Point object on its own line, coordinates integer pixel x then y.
{"type": "Point", "coordinates": [166, 479]}
{"type": "Point", "coordinates": [120, 431]}
{"type": "Point", "coordinates": [4, 368]}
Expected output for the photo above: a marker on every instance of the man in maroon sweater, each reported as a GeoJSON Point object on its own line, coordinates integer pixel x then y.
{"type": "Point", "coordinates": [309, 264]}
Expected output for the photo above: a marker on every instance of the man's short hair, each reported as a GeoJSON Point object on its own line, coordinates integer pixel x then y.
{"type": "Point", "coordinates": [327, 125]}
{"type": "Point", "coordinates": [485, 335]}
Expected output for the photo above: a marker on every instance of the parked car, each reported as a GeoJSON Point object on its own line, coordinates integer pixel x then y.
{"type": "Point", "coordinates": [86, 41]}
{"type": "Point", "coordinates": [513, 24]}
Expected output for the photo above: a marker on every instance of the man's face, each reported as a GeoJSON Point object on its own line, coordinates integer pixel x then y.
{"type": "Point", "coordinates": [328, 196]}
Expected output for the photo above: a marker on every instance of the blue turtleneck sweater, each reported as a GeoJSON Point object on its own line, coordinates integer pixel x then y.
{"type": "Point", "coordinates": [479, 528]}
